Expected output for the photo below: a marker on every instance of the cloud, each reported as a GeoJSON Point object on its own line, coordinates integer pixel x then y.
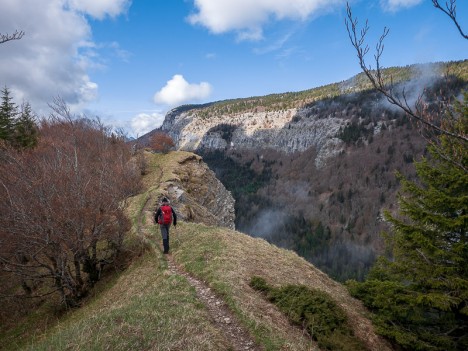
{"type": "Point", "coordinates": [247, 17]}
{"type": "Point", "coordinates": [178, 91]}
{"type": "Point", "coordinates": [57, 52]}
{"type": "Point", "coordinates": [210, 56]}
{"type": "Point", "coordinates": [275, 46]}
{"type": "Point", "coordinates": [101, 8]}
{"type": "Point", "coordinates": [144, 123]}
{"type": "Point", "coordinates": [266, 222]}
{"type": "Point", "coordinates": [395, 5]}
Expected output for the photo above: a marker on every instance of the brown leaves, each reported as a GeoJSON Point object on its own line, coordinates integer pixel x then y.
{"type": "Point", "coordinates": [61, 205]}
{"type": "Point", "coordinates": [161, 142]}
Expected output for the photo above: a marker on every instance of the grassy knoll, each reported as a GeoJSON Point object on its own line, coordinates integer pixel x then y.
{"type": "Point", "coordinates": [228, 260]}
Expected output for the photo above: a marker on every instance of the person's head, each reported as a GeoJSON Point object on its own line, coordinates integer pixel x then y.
{"type": "Point", "coordinates": [165, 200]}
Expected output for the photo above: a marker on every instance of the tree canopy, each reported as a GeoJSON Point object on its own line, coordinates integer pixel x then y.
{"type": "Point", "coordinates": [420, 292]}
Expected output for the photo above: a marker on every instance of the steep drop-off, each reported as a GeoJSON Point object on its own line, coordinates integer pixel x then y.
{"type": "Point", "coordinates": [313, 171]}
{"type": "Point", "coordinates": [153, 306]}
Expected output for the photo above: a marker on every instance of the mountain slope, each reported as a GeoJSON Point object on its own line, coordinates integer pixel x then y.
{"type": "Point", "coordinates": [313, 171]}
{"type": "Point", "coordinates": [149, 307]}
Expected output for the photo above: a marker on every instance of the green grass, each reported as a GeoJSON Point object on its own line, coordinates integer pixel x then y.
{"type": "Point", "coordinates": [145, 308]}
{"type": "Point", "coordinates": [226, 260]}
{"type": "Point", "coordinates": [287, 100]}
{"type": "Point", "coordinates": [204, 253]}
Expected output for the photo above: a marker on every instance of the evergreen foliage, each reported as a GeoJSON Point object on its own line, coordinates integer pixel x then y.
{"type": "Point", "coordinates": [26, 132]}
{"type": "Point", "coordinates": [287, 100]}
{"type": "Point", "coordinates": [8, 113]}
{"type": "Point", "coordinates": [353, 132]}
{"type": "Point", "coordinates": [323, 320]}
{"type": "Point", "coordinates": [17, 127]}
{"type": "Point", "coordinates": [420, 296]}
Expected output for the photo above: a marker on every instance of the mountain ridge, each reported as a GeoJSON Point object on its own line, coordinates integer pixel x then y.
{"type": "Point", "coordinates": [149, 306]}
{"type": "Point", "coordinates": [315, 168]}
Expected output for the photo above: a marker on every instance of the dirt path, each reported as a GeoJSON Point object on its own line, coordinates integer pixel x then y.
{"type": "Point", "coordinates": [222, 317]}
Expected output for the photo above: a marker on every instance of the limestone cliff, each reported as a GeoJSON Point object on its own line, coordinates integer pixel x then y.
{"type": "Point", "coordinates": [196, 193]}
{"type": "Point", "coordinates": [288, 130]}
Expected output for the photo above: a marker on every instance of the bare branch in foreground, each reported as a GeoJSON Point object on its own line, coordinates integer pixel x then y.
{"type": "Point", "coordinates": [451, 11]}
{"type": "Point", "coordinates": [357, 38]}
{"type": "Point", "coordinates": [17, 35]}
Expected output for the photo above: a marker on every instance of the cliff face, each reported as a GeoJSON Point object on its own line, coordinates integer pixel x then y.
{"type": "Point", "coordinates": [196, 193]}
{"type": "Point", "coordinates": [288, 131]}
{"type": "Point", "coordinates": [295, 122]}
{"type": "Point", "coordinates": [312, 171]}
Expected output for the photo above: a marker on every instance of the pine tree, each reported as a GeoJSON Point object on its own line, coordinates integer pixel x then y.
{"type": "Point", "coordinates": [420, 295]}
{"type": "Point", "coordinates": [8, 113]}
{"type": "Point", "coordinates": [25, 128]}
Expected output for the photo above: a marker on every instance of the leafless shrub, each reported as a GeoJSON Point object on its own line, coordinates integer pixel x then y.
{"type": "Point", "coordinates": [61, 207]}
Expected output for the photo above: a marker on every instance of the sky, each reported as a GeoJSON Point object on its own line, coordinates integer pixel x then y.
{"type": "Point", "coordinates": [131, 61]}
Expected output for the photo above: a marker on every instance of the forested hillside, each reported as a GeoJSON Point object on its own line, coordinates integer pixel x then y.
{"type": "Point", "coordinates": [325, 201]}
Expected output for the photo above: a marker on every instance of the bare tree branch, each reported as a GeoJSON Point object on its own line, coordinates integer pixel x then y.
{"type": "Point", "coordinates": [17, 35]}
{"type": "Point", "coordinates": [451, 11]}
{"type": "Point", "coordinates": [378, 80]}
{"type": "Point", "coordinates": [61, 214]}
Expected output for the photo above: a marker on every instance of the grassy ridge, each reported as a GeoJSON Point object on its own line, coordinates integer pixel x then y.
{"type": "Point", "coordinates": [146, 307]}
{"type": "Point", "coordinates": [299, 99]}
{"type": "Point", "coordinates": [143, 309]}
{"type": "Point", "coordinates": [228, 260]}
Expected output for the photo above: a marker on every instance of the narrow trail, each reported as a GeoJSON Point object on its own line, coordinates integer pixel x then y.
{"type": "Point", "coordinates": [222, 317]}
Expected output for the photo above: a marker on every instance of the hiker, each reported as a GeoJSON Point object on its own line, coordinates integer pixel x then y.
{"type": "Point", "coordinates": [165, 215]}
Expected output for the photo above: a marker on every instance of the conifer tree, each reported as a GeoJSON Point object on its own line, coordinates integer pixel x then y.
{"type": "Point", "coordinates": [25, 128]}
{"type": "Point", "coordinates": [420, 294]}
{"type": "Point", "coordinates": [8, 113]}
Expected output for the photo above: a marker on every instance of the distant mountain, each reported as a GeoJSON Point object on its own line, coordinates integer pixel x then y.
{"type": "Point", "coordinates": [313, 170]}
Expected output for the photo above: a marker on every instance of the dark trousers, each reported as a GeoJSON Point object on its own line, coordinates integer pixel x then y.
{"type": "Point", "coordinates": [165, 236]}
{"type": "Point", "coordinates": [166, 245]}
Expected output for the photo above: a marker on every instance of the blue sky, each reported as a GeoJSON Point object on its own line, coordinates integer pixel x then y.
{"type": "Point", "coordinates": [130, 61]}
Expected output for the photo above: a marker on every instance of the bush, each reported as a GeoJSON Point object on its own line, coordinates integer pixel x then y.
{"type": "Point", "coordinates": [315, 311]}
{"type": "Point", "coordinates": [161, 142]}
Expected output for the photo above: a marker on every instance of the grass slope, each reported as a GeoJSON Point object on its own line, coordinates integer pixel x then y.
{"type": "Point", "coordinates": [145, 307]}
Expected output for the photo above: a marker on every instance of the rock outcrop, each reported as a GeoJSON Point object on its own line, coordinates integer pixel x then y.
{"type": "Point", "coordinates": [197, 194]}
{"type": "Point", "coordinates": [288, 131]}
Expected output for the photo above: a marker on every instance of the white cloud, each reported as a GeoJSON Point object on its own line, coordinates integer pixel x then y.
{"type": "Point", "coordinates": [395, 5]}
{"type": "Point", "coordinates": [247, 17]}
{"type": "Point", "coordinates": [178, 91]}
{"type": "Point", "coordinates": [56, 53]}
{"type": "Point", "coordinates": [100, 8]}
{"type": "Point", "coordinates": [144, 123]}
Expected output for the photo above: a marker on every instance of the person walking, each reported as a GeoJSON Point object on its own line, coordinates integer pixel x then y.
{"type": "Point", "coordinates": [165, 216]}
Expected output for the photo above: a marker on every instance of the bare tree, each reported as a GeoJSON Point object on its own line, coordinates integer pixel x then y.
{"type": "Point", "coordinates": [161, 142]}
{"type": "Point", "coordinates": [450, 10]}
{"type": "Point", "coordinates": [447, 123]}
{"type": "Point", "coordinates": [61, 207]}
{"type": "Point", "coordinates": [7, 37]}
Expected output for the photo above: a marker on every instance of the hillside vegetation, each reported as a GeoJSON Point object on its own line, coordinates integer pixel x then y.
{"type": "Point", "coordinates": [357, 83]}
{"type": "Point", "coordinates": [149, 307]}
{"type": "Point", "coordinates": [331, 215]}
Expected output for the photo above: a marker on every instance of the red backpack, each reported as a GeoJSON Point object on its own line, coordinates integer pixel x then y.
{"type": "Point", "coordinates": [166, 215]}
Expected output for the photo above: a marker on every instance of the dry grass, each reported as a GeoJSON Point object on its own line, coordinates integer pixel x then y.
{"type": "Point", "coordinates": [228, 260]}
{"type": "Point", "coordinates": [148, 308]}
{"type": "Point", "coordinates": [144, 309]}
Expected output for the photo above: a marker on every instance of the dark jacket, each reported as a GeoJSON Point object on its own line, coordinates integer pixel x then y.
{"type": "Point", "coordinates": [159, 213]}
